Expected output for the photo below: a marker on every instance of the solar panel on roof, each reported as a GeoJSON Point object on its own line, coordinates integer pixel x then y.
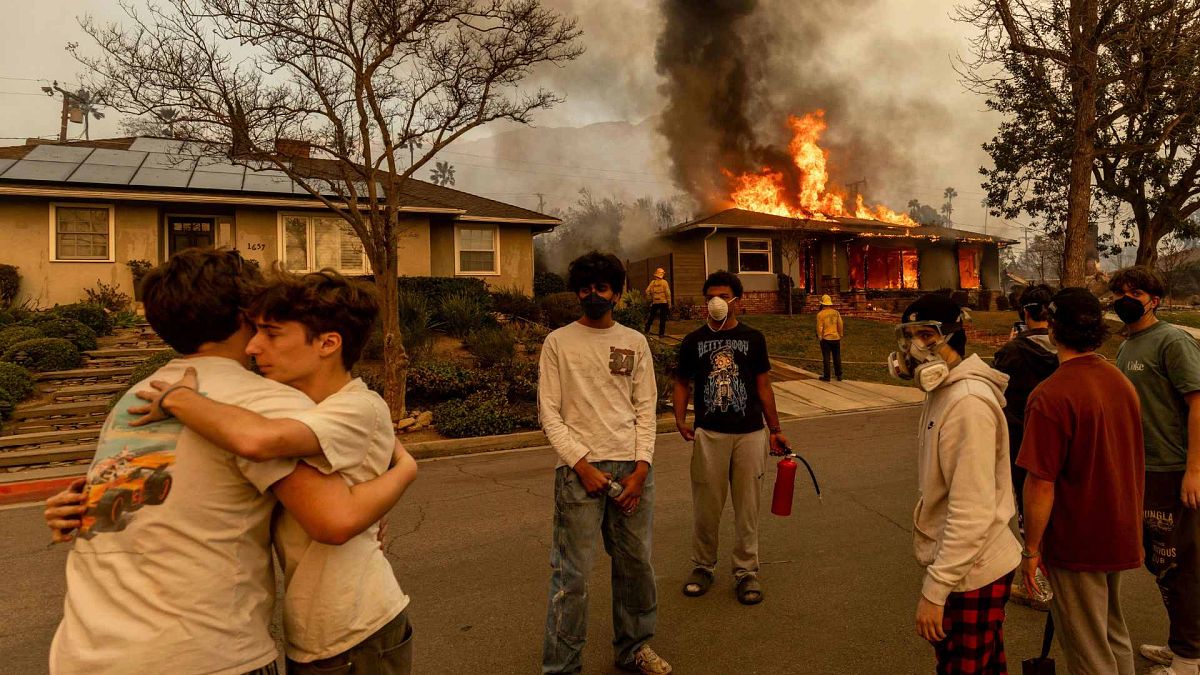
{"type": "Point", "coordinates": [218, 166]}
{"type": "Point", "coordinates": [28, 169]}
{"type": "Point", "coordinates": [59, 153]}
{"type": "Point", "coordinates": [267, 181]}
{"type": "Point", "coordinates": [99, 173]}
{"type": "Point", "coordinates": [156, 145]}
{"type": "Point", "coordinates": [215, 180]}
{"type": "Point", "coordinates": [160, 160]}
{"type": "Point", "coordinates": [152, 177]}
{"type": "Point", "coordinates": [106, 157]}
{"type": "Point", "coordinates": [4, 164]}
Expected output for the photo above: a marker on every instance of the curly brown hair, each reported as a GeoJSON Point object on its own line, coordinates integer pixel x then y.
{"type": "Point", "coordinates": [199, 296]}
{"type": "Point", "coordinates": [1138, 278]}
{"type": "Point", "coordinates": [323, 302]}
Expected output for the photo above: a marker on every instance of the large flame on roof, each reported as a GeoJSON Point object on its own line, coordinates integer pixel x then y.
{"type": "Point", "coordinates": [812, 198]}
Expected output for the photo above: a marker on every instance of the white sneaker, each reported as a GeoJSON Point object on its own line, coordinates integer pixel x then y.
{"type": "Point", "coordinates": [649, 663]}
{"type": "Point", "coordinates": [1160, 654]}
{"type": "Point", "coordinates": [1177, 667]}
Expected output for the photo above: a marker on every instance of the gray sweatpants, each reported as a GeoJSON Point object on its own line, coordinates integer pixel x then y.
{"type": "Point", "coordinates": [1090, 625]}
{"type": "Point", "coordinates": [718, 462]}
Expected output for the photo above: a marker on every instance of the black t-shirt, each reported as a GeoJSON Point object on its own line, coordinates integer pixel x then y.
{"type": "Point", "coordinates": [723, 367]}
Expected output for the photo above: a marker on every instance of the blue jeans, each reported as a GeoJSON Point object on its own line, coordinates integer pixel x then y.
{"type": "Point", "coordinates": [578, 519]}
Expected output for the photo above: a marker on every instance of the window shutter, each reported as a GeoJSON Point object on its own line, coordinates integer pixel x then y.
{"type": "Point", "coordinates": [777, 257]}
{"type": "Point", "coordinates": [731, 244]}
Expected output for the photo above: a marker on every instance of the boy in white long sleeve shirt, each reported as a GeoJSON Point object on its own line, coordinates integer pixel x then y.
{"type": "Point", "coordinates": [961, 531]}
{"type": "Point", "coordinates": [597, 400]}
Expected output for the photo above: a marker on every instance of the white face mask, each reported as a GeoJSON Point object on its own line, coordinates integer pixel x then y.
{"type": "Point", "coordinates": [931, 374]}
{"type": "Point", "coordinates": [718, 309]}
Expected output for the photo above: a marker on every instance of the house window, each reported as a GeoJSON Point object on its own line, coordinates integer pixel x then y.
{"type": "Point", "coordinates": [316, 242]}
{"type": "Point", "coordinates": [476, 248]}
{"type": "Point", "coordinates": [754, 255]}
{"type": "Point", "coordinates": [82, 232]}
{"type": "Point", "coordinates": [969, 263]}
{"type": "Point", "coordinates": [882, 268]}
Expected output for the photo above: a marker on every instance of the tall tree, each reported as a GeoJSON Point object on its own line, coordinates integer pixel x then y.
{"type": "Point", "coordinates": [356, 79]}
{"type": "Point", "coordinates": [948, 207]}
{"type": "Point", "coordinates": [1056, 64]}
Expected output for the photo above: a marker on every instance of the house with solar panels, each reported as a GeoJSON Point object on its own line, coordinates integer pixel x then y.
{"type": "Point", "coordinates": [77, 212]}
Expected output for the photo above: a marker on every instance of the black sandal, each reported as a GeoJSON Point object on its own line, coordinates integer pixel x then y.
{"type": "Point", "coordinates": [700, 578]}
{"type": "Point", "coordinates": [749, 591]}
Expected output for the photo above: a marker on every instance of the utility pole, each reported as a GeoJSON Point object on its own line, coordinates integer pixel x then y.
{"type": "Point", "coordinates": [77, 107]}
{"type": "Point", "coordinates": [66, 107]}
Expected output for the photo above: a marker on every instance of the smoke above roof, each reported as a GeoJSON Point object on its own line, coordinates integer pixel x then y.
{"type": "Point", "coordinates": [734, 70]}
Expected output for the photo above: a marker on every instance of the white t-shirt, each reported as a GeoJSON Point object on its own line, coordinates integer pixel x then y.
{"type": "Point", "coordinates": [171, 571]}
{"type": "Point", "coordinates": [337, 596]}
{"type": "Point", "coordinates": [597, 397]}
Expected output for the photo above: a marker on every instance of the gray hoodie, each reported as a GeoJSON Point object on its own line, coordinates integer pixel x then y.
{"type": "Point", "coordinates": [961, 532]}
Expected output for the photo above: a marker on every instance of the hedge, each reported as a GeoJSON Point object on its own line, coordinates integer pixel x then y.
{"type": "Point", "coordinates": [44, 354]}
{"type": "Point", "coordinates": [78, 334]}
{"type": "Point", "coordinates": [560, 309]}
{"type": "Point", "coordinates": [484, 413]}
{"type": "Point", "coordinates": [92, 316]}
{"type": "Point", "coordinates": [16, 383]}
{"type": "Point", "coordinates": [19, 333]}
{"type": "Point", "coordinates": [548, 283]}
{"type": "Point", "coordinates": [492, 345]}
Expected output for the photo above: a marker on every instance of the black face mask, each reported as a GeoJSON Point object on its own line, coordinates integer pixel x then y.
{"type": "Point", "coordinates": [1128, 309]}
{"type": "Point", "coordinates": [595, 307]}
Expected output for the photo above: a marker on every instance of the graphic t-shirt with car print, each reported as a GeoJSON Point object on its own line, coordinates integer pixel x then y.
{"type": "Point", "coordinates": [172, 568]}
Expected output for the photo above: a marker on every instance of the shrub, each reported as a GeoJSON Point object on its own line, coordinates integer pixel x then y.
{"type": "Point", "coordinates": [560, 309]}
{"type": "Point", "coordinates": [108, 296]}
{"type": "Point", "coordinates": [7, 318]}
{"type": "Point", "coordinates": [436, 289]}
{"type": "Point", "coordinates": [633, 310]}
{"type": "Point", "coordinates": [15, 384]}
{"type": "Point", "coordinates": [462, 313]}
{"type": "Point", "coordinates": [20, 333]}
{"type": "Point", "coordinates": [44, 354]}
{"type": "Point", "coordinates": [514, 302]}
{"type": "Point", "coordinates": [417, 328]}
{"type": "Point", "coordinates": [521, 378]}
{"type": "Point", "coordinates": [372, 377]}
{"type": "Point", "coordinates": [125, 319]}
{"type": "Point", "coordinates": [491, 345]}
{"type": "Point", "coordinates": [92, 316]}
{"type": "Point", "coordinates": [484, 413]}
{"type": "Point", "coordinates": [666, 360]}
{"type": "Point", "coordinates": [548, 283]}
{"type": "Point", "coordinates": [10, 284]}
{"type": "Point", "coordinates": [81, 336]}
{"type": "Point", "coordinates": [438, 379]}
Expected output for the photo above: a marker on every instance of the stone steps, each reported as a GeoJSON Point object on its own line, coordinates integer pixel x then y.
{"type": "Point", "coordinates": [59, 453]}
{"type": "Point", "coordinates": [47, 438]}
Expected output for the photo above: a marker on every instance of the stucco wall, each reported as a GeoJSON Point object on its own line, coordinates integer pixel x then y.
{"type": "Point", "coordinates": [718, 259]}
{"type": "Point", "coordinates": [516, 256]}
{"type": "Point", "coordinates": [256, 233]}
{"type": "Point", "coordinates": [25, 242]}
{"type": "Point", "coordinates": [939, 267]}
{"type": "Point", "coordinates": [990, 273]}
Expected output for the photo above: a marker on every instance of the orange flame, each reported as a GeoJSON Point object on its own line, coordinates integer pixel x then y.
{"type": "Point", "coordinates": [812, 198]}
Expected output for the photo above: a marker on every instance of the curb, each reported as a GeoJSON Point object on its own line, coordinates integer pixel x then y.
{"type": "Point", "coordinates": [455, 447]}
{"type": "Point", "coordinates": [34, 490]}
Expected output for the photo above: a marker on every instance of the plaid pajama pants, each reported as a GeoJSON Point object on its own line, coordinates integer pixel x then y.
{"type": "Point", "coordinates": [974, 625]}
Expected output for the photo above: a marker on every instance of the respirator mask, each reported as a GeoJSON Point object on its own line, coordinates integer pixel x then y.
{"type": "Point", "coordinates": [917, 358]}
{"type": "Point", "coordinates": [718, 310]}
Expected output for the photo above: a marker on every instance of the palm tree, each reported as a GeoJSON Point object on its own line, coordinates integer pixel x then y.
{"type": "Point", "coordinates": [442, 174]}
{"type": "Point", "coordinates": [948, 208]}
{"type": "Point", "coordinates": [84, 107]}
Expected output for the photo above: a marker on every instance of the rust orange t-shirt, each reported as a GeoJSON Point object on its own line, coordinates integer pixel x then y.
{"type": "Point", "coordinates": [1083, 432]}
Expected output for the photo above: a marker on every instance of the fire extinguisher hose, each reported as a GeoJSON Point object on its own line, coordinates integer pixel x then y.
{"type": "Point", "coordinates": [811, 473]}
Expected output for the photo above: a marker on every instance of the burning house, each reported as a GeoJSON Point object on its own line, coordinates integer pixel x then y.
{"type": "Point", "coordinates": [786, 223]}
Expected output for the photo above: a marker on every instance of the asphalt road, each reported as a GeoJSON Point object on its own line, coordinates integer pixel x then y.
{"type": "Point", "coordinates": [470, 544]}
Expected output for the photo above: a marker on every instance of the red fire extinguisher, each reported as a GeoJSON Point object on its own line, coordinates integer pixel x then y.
{"type": "Point", "coordinates": [785, 483]}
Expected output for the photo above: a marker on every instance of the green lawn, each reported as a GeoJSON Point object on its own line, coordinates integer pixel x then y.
{"type": "Point", "coordinates": [866, 345]}
{"type": "Point", "coordinates": [1181, 317]}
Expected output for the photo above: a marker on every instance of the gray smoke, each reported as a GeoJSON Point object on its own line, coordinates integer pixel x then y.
{"type": "Point", "coordinates": [735, 70]}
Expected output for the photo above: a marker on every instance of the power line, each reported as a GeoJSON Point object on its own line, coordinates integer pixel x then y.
{"type": "Point", "coordinates": [548, 164]}
{"type": "Point", "coordinates": [22, 93]}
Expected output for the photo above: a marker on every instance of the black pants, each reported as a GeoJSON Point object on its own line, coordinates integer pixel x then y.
{"type": "Point", "coordinates": [1171, 535]}
{"type": "Point", "coordinates": [663, 310]}
{"type": "Point", "coordinates": [834, 348]}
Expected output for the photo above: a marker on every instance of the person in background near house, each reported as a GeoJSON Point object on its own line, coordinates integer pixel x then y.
{"type": "Point", "coordinates": [597, 401]}
{"type": "Point", "coordinates": [1163, 363]}
{"type": "Point", "coordinates": [726, 363]}
{"type": "Point", "coordinates": [830, 332]}
{"type": "Point", "coordinates": [961, 531]}
{"type": "Point", "coordinates": [659, 295]}
{"type": "Point", "coordinates": [1027, 359]}
{"type": "Point", "coordinates": [1083, 451]}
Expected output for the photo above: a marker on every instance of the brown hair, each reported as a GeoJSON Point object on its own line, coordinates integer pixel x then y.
{"type": "Point", "coordinates": [1138, 278]}
{"type": "Point", "coordinates": [323, 302]}
{"type": "Point", "coordinates": [199, 296]}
